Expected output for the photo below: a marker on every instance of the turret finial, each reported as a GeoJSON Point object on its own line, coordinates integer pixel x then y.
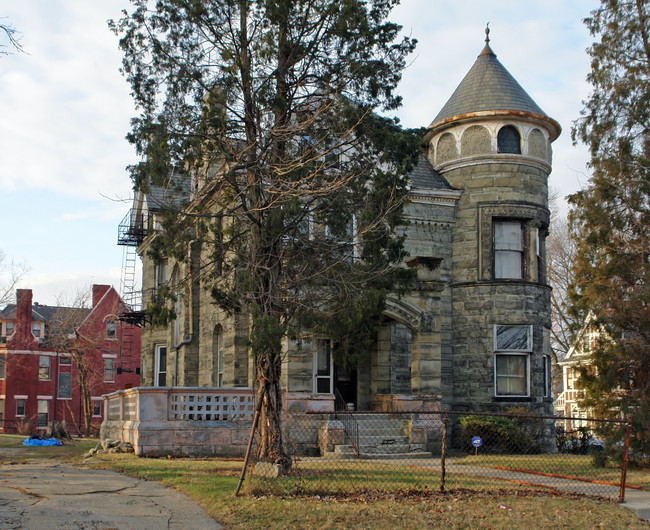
{"type": "Point", "coordinates": [487, 50]}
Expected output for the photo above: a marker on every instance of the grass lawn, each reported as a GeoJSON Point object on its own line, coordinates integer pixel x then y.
{"type": "Point", "coordinates": [13, 452]}
{"type": "Point", "coordinates": [561, 464]}
{"type": "Point", "coordinates": [212, 482]}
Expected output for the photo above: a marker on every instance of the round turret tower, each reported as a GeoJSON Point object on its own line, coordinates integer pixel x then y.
{"type": "Point", "coordinates": [492, 141]}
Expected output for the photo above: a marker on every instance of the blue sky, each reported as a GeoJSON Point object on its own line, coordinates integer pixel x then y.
{"type": "Point", "coordinates": [65, 109]}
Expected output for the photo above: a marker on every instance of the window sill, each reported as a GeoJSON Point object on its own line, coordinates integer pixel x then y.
{"type": "Point", "coordinates": [511, 399]}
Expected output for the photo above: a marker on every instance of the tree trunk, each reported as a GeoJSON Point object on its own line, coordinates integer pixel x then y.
{"type": "Point", "coordinates": [270, 443]}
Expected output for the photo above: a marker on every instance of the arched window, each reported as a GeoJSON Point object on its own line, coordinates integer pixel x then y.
{"type": "Point", "coordinates": [508, 140]}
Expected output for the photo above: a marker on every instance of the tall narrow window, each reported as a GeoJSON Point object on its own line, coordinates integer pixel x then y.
{"type": "Point", "coordinates": [65, 385]}
{"type": "Point", "coordinates": [161, 273]}
{"type": "Point", "coordinates": [540, 247]}
{"type": "Point", "coordinates": [43, 409]}
{"type": "Point", "coordinates": [547, 376]}
{"type": "Point", "coordinates": [160, 364]}
{"type": "Point", "coordinates": [2, 366]}
{"type": "Point", "coordinates": [219, 357]}
{"type": "Point", "coordinates": [323, 368]}
{"type": "Point", "coordinates": [110, 329]}
{"type": "Point", "coordinates": [9, 328]}
{"type": "Point", "coordinates": [36, 330]}
{"type": "Point", "coordinates": [508, 249]}
{"type": "Point", "coordinates": [44, 368]}
{"type": "Point", "coordinates": [20, 407]}
{"type": "Point", "coordinates": [2, 412]}
{"type": "Point", "coordinates": [508, 140]}
{"type": "Point", "coordinates": [109, 370]}
{"type": "Point", "coordinates": [97, 407]}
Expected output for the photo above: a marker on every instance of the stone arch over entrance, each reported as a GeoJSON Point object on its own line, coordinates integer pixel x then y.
{"type": "Point", "coordinates": [403, 312]}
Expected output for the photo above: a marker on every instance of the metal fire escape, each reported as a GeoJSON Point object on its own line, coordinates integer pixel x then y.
{"type": "Point", "coordinates": [131, 232]}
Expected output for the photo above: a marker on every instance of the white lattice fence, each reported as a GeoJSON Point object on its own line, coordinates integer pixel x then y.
{"type": "Point", "coordinates": [211, 407]}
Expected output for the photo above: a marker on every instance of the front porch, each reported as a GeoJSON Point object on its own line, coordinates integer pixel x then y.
{"type": "Point", "coordinates": [217, 421]}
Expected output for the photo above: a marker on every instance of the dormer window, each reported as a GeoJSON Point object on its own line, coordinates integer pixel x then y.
{"type": "Point", "coordinates": [509, 140]}
{"type": "Point", "coordinates": [36, 330]}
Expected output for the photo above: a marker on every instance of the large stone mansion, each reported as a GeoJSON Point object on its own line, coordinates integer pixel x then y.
{"type": "Point", "coordinates": [474, 333]}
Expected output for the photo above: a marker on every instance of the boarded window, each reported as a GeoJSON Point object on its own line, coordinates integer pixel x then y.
{"type": "Point", "coordinates": [65, 385]}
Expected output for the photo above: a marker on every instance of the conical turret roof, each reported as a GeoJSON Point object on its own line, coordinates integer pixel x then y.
{"type": "Point", "coordinates": [488, 86]}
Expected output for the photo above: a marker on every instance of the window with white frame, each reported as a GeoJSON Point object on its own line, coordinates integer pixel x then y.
{"type": "Point", "coordinates": [3, 362]}
{"type": "Point", "coordinates": [65, 385]}
{"type": "Point", "coordinates": [8, 329]}
{"type": "Point", "coordinates": [65, 360]}
{"type": "Point", "coordinates": [43, 413]}
{"type": "Point", "coordinates": [512, 346]}
{"type": "Point", "coordinates": [508, 249]}
{"type": "Point", "coordinates": [97, 407]}
{"type": "Point", "coordinates": [36, 330]}
{"type": "Point", "coordinates": [323, 368]}
{"type": "Point", "coordinates": [44, 368]}
{"type": "Point", "coordinates": [109, 370]}
{"type": "Point", "coordinates": [160, 365]}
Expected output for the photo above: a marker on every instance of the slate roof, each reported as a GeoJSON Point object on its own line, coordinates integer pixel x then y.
{"type": "Point", "coordinates": [58, 318]}
{"type": "Point", "coordinates": [174, 193]}
{"type": "Point", "coordinates": [423, 176]}
{"type": "Point", "coordinates": [487, 86]}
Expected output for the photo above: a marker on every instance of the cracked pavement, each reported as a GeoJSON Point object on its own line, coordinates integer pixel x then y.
{"type": "Point", "coordinates": [52, 495]}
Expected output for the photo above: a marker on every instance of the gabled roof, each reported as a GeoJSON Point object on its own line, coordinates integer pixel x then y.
{"type": "Point", "coordinates": [60, 320]}
{"type": "Point", "coordinates": [575, 354]}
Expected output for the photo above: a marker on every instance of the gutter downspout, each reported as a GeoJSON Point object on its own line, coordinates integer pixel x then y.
{"type": "Point", "coordinates": [190, 312]}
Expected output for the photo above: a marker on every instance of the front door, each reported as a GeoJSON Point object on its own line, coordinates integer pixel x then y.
{"type": "Point", "coordinates": [345, 383]}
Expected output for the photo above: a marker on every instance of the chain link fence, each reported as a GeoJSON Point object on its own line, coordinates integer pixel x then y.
{"type": "Point", "coordinates": [357, 452]}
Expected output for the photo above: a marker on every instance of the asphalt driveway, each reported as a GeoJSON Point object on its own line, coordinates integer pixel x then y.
{"type": "Point", "coordinates": [53, 495]}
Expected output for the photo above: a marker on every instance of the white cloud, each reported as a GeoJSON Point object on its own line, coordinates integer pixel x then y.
{"type": "Point", "coordinates": [65, 109]}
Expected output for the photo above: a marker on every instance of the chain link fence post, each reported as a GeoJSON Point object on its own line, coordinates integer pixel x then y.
{"type": "Point", "coordinates": [621, 497]}
{"type": "Point", "coordinates": [443, 453]}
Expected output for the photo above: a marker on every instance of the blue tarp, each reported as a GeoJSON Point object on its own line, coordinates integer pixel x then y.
{"type": "Point", "coordinates": [37, 442]}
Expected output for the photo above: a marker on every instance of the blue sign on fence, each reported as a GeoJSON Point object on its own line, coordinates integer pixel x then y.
{"type": "Point", "coordinates": [476, 441]}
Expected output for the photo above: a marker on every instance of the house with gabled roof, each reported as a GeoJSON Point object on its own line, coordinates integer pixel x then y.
{"type": "Point", "coordinates": [56, 362]}
{"type": "Point", "coordinates": [568, 401]}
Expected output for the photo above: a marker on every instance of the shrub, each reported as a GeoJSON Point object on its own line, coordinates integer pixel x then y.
{"type": "Point", "coordinates": [25, 426]}
{"type": "Point", "coordinates": [500, 434]}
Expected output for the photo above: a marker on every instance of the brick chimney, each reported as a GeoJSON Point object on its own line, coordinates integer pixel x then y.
{"type": "Point", "coordinates": [98, 292]}
{"type": "Point", "coordinates": [23, 327]}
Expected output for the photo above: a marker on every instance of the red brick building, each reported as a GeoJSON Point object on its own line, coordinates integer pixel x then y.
{"type": "Point", "coordinates": [56, 362]}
